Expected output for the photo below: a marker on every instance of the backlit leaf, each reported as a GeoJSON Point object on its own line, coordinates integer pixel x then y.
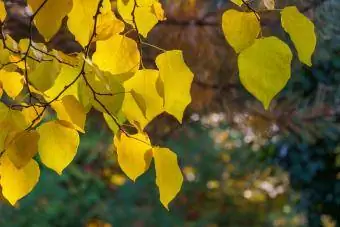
{"type": "Point", "coordinates": [58, 145]}
{"type": "Point", "coordinates": [3, 12]}
{"type": "Point", "coordinates": [145, 20]}
{"type": "Point", "coordinates": [177, 79]}
{"type": "Point", "coordinates": [301, 31]}
{"type": "Point", "coordinates": [169, 177]}
{"type": "Point", "coordinates": [108, 25]}
{"type": "Point", "coordinates": [240, 28]}
{"type": "Point", "coordinates": [16, 183]}
{"type": "Point", "coordinates": [125, 8]}
{"type": "Point", "coordinates": [22, 147]}
{"type": "Point", "coordinates": [142, 102]}
{"type": "Point", "coordinates": [44, 75]}
{"type": "Point", "coordinates": [264, 68]}
{"type": "Point", "coordinates": [48, 19]}
{"type": "Point", "coordinates": [70, 110]}
{"type": "Point", "coordinates": [67, 75]}
{"type": "Point", "coordinates": [80, 19]}
{"type": "Point", "coordinates": [110, 52]}
{"type": "Point", "coordinates": [134, 154]}
{"type": "Point", "coordinates": [11, 82]}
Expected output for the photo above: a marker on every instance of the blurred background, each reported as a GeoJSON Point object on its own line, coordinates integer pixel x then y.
{"type": "Point", "coordinates": [243, 166]}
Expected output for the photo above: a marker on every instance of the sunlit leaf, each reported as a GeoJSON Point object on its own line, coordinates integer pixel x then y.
{"type": "Point", "coordinates": [44, 75]}
{"type": "Point", "coordinates": [70, 110]}
{"type": "Point", "coordinates": [22, 147]}
{"type": "Point", "coordinates": [264, 68]}
{"type": "Point", "coordinates": [301, 31]}
{"type": "Point", "coordinates": [134, 154]}
{"type": "Point", "coordinates": [49, 17]}
{"type": "Point", "coordinates": [177, 79]}
{"type": "Point", "coordinates": [109, 54]}
{"type": "Point", "coordinates": [240, 28]}
{"type": "Point", "coordinates": [58, 145]}
{"type": "Point", "coordinates": [81, 19]}
{"type": "Point", "coordinates": [12, 83]}
{"type": "Point", "coordinates": [125, 8]}
{"type": "Point", "coordinates": [142, 102]}
{"type": "Point", "coordinates": [169, 177]}
{"type": "Point", "coordinates": [145, 20]}
{"type": "Point", "coordinates": [16, 183]}
{"type": "Point", "coordinates": [66, 76]}
{"type": "Point", "coordinates": [3, 12]}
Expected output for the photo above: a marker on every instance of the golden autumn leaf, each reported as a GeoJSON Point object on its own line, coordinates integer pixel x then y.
{"type": "Point", "coordinates": [110, 98]}
{"type": "Point", "coordinates": [264, 68]}
{"type": "Point", "coordinates": [33, 114]}
{"type": "Point", "coordinates": [16, 183]}
{"type": "Point", "coordinates": [240, 28]}
{"type": "Point", "coordinates": [158, 11]}
{"type": "Point", "coordinates": [125, 8]}
{"type": "Point", "coordinates": [142, 102]}
{"type": "Point", "coordinates": [134, 153]}
{"type": "Point", "coordinates": [110, 52]}
{"type": "Point", "coordinates": [22, 147]}
{"type": "Point", "coordinates": [50, 15]}
{"type": "Point", "coordinates": [43, 76]}
{"type": "Point", "coordinates": [58, 145]}
{"type": "Point", "coordinates": [301, 32]}
{"type": "Point", "coordinates": [70, 110]}
{"type": "Point", "coordinates": [145, 20]}
{"type": "Point", "coordinates": [108, 25]}
{"type": "Point", "coordinates": [3, 12]}
{"type": "Point", "coordinates": [66, 75]}
{"type": "Point", "coordinates": [12, 83]}
{"type": "Point", "coordinates": [145, 3]}
{"type": "Point", "coordinates": [177, 79]}
{"type": "Point", "coordinates": [169, 177]}
{"type": "Point", "coordinates": [80, 19]}
{"type": "Point", "coordinates": [238, 2]}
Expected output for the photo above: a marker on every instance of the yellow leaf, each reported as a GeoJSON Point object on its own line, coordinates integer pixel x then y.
{"type": "Point", "coordinates": [158, 11]}
{"type": "Point", "coordinates": [16, 183]}
{"type": "Point", "coordinates": [145, 20]}
{"type": "Point", "coordinates": [177, 79]}
{"type": "Point", "coordinates": [240, 29]}
{"type": "Point", "coordinates": [109, 92]}
{"type": "Point", "coordinates": [108, 25]}
{"type": "Point", "coordinates": [48, 19]}
{"type": "Point", "coordinates": [33, 114]}
{"type": "Point", "coordinates": [142, 102]}
{"type": "Point", "coordinates": [264, 68]}
{"type": "Point", "coordinates": [125, 8]}
{"type": "Point", "coordinates": [66, 76]}
{"type": "Point", "coordinates": [11, 83]}
{"type": "Point", "coordinates": [134, 154]}
{"type": "Point", "coordinates": [169, 177]}
{"type": "Point", "coordinates": [70, 110]}
{"type": "Point", "coordinates": [58, 145]}
{"type": "Point", "coordinates": [301, 31]}
{"type": "Point", "coordinates": [22, 147]}
{"type": "Point", "coordinates": [11, 122]}
{"type": "Point", "coordinates": [238, 2]}
{"type": "Point", "coordinates": [3, 12]}
{"type": "Point", "coordinates": [144, 3]}
{"type": "Point", "coordinates": [44, 75]}
{"type": "Point", "coordinates": [80, 19]}
{"type": "Point", "coordinates": [110, 52]}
